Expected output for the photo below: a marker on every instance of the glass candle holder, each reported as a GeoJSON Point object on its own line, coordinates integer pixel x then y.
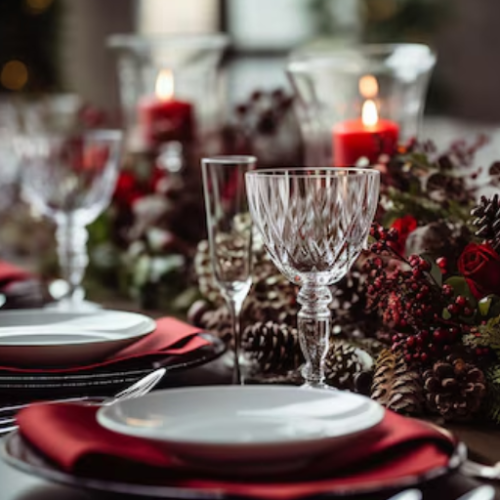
{"type": "Point", "coordinates": [169, 90]}
{"type": "Point", "coordinates": [356, 104]}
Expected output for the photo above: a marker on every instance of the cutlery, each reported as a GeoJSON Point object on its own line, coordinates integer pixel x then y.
{"type": "Point", "coordinates": [139, 388]}
{"type": "Point", "coordinates": [484, 492]}
{"type": "Point", "coordinates": [476, 469]}
{"type": "Point", "coordinates": [412, 494]}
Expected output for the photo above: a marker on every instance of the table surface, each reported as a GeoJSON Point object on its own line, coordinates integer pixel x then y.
{"type": "Point", "coordinates": [484, 442]}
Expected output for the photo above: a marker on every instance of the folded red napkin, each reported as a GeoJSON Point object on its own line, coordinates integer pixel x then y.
{"type": "Point", "coordinates": [71, 437]}
{"type": "Point", "coordinates": [10, 273]}
{"type": "Point", "coordinates": [171, 337]}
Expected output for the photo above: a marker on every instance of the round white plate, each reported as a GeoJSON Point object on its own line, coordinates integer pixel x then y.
{"type": "Point", "coordinates": [247, 427]}
{"type": "Point", "coordinates": [42, 337]}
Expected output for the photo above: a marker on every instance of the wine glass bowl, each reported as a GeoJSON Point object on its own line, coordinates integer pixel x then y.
{"type": "Point", "coordinates": [70, 178]}
{"type": "Point", "coordinates": [314, 224]}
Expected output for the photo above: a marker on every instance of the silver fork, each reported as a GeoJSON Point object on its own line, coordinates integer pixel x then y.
{"type": "Point", "coordinates": [476, 469]}
{"type": "Point", "coordinates": [139, 388]}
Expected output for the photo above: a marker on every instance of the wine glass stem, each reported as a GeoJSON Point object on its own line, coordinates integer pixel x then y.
{"type": "Point", "coordinates": [235, 309]}
{"type": "Point", "coordinates": [314, 331]}
{"type": "Point", "coordinates": [72, 253]}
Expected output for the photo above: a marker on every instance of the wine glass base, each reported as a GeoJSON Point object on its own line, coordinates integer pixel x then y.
{"type": "Point", "coordinates": [245, 363]}
{"type": "Point", "coordinates": [317, 386]}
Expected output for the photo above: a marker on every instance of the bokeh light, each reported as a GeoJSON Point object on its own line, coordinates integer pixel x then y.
{"type": "Point", "coordinates": [14, 75]}
{"type": "Point", "coordinates": [38, 6]}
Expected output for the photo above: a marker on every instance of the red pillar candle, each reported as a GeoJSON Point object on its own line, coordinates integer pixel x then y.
{"type": "Point", "coordinates": [162, 118]}
{"type": "Point", "coordinates": [367, 137]}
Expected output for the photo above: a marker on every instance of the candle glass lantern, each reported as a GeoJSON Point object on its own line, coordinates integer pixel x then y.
{"type": "Point", "coordinates": [356, 104]}
{"type": "Point", "coordinates": [170, 91]}
{"type": "Point", "coordinates": [172, 112]}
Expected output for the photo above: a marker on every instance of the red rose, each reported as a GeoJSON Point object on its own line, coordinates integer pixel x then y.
{"type": "Point", "coordinates": [127, 190]}
{"type": "Point", "coordinates": [480, 266]}
{"type": "Point", "coordinates": [405, 225]}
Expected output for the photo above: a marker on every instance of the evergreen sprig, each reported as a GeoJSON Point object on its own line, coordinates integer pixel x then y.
{"type": "Point", "coordinates": [493, 393]}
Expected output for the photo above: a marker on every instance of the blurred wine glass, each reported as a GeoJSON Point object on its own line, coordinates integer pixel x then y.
{"type": "Point", "coordinates": [70, 178]}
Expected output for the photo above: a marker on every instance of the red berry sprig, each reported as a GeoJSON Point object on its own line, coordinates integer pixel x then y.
{"type": "Point", "coordinates": [411, 302]}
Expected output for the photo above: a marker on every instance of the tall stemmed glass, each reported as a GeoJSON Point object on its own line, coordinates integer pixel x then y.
{"type": "Point", "coordinates": [71, 180]}
{"type": "Point", "coordinates": [314, 224]}
{"type": "Point", "coordinates": [229, 234]}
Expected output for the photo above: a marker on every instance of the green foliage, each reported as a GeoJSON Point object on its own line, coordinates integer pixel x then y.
{"type": "Point", "coordinates": [487, 335]}
{"type": "Point", "coordinates": [460, 287]}
{"type": "Point", "coordinates": [435, 273]}
{"type": "Point", "coordinates": [493, 393]}
{"type": "Point", "coordinates": [489, 306]}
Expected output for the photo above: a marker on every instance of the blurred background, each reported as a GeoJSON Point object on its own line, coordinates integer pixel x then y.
{"type": "Point", "coordinates": [148, 237]}
{"type": "Point", "coordinates": [58, 45]}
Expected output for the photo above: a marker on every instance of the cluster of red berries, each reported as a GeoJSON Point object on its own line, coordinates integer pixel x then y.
{"type": "Point", "coordinates": [412, 303]}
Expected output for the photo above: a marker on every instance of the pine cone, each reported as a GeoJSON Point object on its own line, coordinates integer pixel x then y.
{"type": "Point", "coordinates": [395, 385]}
{"type": "Point", "coordinates": [196, 312]}
{"type": "Point", "coordinates": [487, 220]}
{"type": "Point", "coordinates": [342, 363]}
{"type": "Point", "coordinates": [349, 293]}
{"type": "Point", "coordinates": [218, 321]}
{"type": "Point", "coordinates": [274, 347]}
{"type": "Point", "coordinates": [273, 297]}
{"type": "Point", "coordinates": [454, 388]}
{"type": "Point", "coordinates": [203, 269]}
{"type": "Point", "coordinates": [372, 346]}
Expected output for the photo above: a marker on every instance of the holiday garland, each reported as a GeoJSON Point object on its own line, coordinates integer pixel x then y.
{"type": "Point", "coordinates": [423, 302]}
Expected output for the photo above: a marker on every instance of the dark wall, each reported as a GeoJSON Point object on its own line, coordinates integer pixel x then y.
{"type": "Point", "coordinates": [469, 60]}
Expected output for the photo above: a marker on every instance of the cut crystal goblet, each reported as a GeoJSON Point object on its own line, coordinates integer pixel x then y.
{"type": "Point", "coordinates": [314, 224]}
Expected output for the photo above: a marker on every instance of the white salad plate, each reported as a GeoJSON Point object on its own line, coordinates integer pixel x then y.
{"type": "Point", "coordinates": [246, 428]}
{"type": "Point", "coordinates": [44, 337]}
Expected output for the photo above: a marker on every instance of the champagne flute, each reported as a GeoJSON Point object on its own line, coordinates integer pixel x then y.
{"type": "Point", "coordinates": [229, 234]}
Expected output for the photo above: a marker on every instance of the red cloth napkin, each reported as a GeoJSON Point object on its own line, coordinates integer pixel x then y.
{"type": "Point", "coordinates": [171, 337]}
{"type": "Point", "coordinates": [72, 438]}
{"type": "Point", "coordinates": [9, 273]}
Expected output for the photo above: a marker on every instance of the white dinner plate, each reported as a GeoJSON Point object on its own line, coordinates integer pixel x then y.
{"type": "Point", "coordinates": [251, 429]}
{"type": "Point", "coordinates": [42, 337]}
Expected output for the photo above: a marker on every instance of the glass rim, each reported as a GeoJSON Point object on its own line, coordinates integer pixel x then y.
{"type": "Point", "coordinates": [135, 41]}
{"type": "Point", "coordinates": [305, 172]}
{"type": "Point", "coordinates": [325, 57]}
{"type": "Point", "coordinates": [229, 160]}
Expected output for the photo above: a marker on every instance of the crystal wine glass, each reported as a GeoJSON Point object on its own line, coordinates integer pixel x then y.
{"type": "Point", "coordinates": [229, 234]}
{"type": "Point", "coordinates": [70, 179]}
{"type": "Point", "coordinates": [314, 223]}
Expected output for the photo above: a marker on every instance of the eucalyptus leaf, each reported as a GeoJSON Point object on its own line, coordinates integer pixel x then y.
{"type": "Point", "coordinates": [489, 306]}
{"type": "Point", "coordinates": [460, 287]}
{"type": "Point", "coordinates": [435, 271]}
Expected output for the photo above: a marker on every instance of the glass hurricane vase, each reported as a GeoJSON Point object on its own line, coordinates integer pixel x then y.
{"type": "Point", "coordinates": [314, 224]}
{"type": "Point", "coordinates": [355, 104]}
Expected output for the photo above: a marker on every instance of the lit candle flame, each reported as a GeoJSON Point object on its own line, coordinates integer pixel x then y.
{"type": "Point", "coordinates": [369, 113]}
{"type": "Point", "coordinates": [165, 85]}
